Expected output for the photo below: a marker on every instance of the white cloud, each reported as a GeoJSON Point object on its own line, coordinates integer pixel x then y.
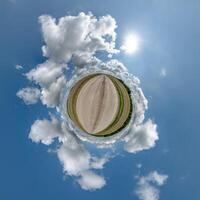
{"type": "Point", "coordinates": [142, 137]}
{"type": "Point", "coordinates": [46, 73]}
{"type": "Point", "coordinates": [72, 37]}
{"type": "Point", "coordinates": [78, 162]}
{"type": "Point", "coordinates": [147, 192]}
{"type": "Point", "coordinates": [77, 37]}
{"type": "Point", "coordinates": [156, 178]}
{"type": "Point", "coordinates": [98, 163]}
{"type": "Point", "coordinates": [75, 159]}
{"type": "Point", "coordinates": [91, 181]}
{"type": "Point", "coordinates": [73, 156]}
{"type": "Point", "coordinates": [18, 67]}
{"type": "Point", "coordinates": [148, 186]}
{"type": "Point", "coordinates": [116, 65]}
{"type": "Point", "coordinates": [29, 95]}
{"type": "Point", "coordinates": [45, 131]}
{"type": "Point", "coordinates": [50, 96]}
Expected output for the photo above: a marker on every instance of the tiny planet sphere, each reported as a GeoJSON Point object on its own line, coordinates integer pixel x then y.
{"type": "Point", "coordinates": [100, 105]}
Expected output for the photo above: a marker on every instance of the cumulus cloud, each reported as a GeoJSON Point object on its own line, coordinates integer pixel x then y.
{"type": "Point", "coordinates": [78, 37]}
{"type": "Point", "coordinates": [29, 95]}
{"type": "Point", "coordinates": [147, 192]}
{"type": "Point", "coordinates": [46, 73]}
{"type": "Point", "coordinates": [91, 181]}
{"type": "Point", "coordinates": [49, 75]}
{"type": "Point", "coordinates": [142, 137]}
{"type": "Point", "coordinates": [73, 156]}
{"type": "Point", "coordinates": [75, 159]}
{"type": "Point", "coordinates": [45, 131]}
{"type": "Point", "coordinates": [50, 95]}
{"type": "Point", "coordinates": [78, 162]}
{"type": "Point", "coordinates": [147, 188]}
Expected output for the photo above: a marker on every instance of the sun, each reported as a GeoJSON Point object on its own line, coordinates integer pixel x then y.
{"type": "Point", "coordinates": [131, 44]}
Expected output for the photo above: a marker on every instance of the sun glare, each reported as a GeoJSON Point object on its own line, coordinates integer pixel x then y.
{"type": "Point", "coordinates": [131, 44]}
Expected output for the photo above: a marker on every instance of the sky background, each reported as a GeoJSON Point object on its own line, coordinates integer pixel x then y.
{"type": "Point", "coordinates": [170, 33]}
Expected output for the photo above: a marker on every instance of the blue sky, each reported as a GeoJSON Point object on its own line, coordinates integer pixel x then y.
{"type": "Point", "coordinates": [170, 32]}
